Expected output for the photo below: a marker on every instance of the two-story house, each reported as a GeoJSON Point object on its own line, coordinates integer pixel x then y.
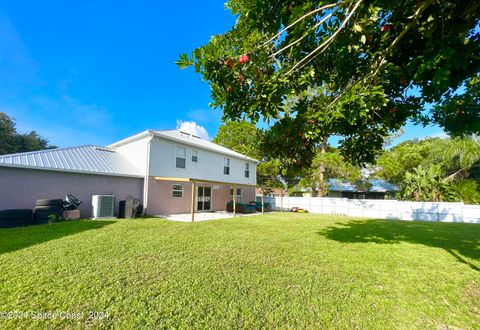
{"type": "Point", "coordinates": [169, 171]}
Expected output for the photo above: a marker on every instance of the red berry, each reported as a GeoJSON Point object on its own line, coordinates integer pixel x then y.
{"type": "Point", "coordinates": [460, 112]}
{"type": "Point", "coordinates": [386, 27]}
{"type": "Point", "coordinates": [229, 63]}
{"type": "Point", "coordinates": [241, 78]}
{"type": "Point", "coordinates": [243, 59]}
{"type": "Point", "coordinates": [393, 109]}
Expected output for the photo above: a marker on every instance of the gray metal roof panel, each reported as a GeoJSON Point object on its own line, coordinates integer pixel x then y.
{"type": "Point", "coordinates": [87, 159]}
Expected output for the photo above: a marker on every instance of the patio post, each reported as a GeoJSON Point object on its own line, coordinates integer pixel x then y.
{"type": "Point", "coordinates": [193, 201]}
{"type": "Point", "coordinates": [234, 201]}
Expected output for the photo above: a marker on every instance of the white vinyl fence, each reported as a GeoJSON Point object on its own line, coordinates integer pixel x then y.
{"type": "Point", "coordinates": [381, 209]}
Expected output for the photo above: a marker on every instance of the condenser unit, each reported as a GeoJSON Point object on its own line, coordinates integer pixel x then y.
{"type": "Point", "coordinates": [103, 206]}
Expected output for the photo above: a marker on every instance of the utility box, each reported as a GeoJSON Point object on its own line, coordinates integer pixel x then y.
{"type": "Point", "coordinates": [103, 206]}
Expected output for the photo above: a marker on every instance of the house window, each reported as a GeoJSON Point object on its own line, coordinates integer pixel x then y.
{"type": "Point", "coordinates": [226, 166]}
{"type": "Point", "coordinates": [194, 156]}
{"type": "Point", "coordinates": [181, 157]}
{"type": "Point", "coordinates": [177, 190]}
{"type": "Point", "coordinates": [247, 170]}
{"type": "Point", "coordinates": [239, 192]}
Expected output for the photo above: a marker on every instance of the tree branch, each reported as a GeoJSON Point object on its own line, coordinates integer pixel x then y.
{"type": "Point", "coordinates": [324, 45]}
{"type": "Point", "coordinates": [298, 20]}
{"type": "Point", "coordinates": [382, 61]}
{"type": "Point", "coordinates": [323, 20]}
{"type": "Point", "coordinates": [402, 34]}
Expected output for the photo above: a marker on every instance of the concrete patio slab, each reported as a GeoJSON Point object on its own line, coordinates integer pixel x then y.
{"type": "Point", "coordinates": [204, 216]}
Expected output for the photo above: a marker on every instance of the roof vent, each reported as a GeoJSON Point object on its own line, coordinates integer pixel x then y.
{"type": "Point", "coordinates": [104, 149]}
{"type": "Point", "coordinates": [185, 133]}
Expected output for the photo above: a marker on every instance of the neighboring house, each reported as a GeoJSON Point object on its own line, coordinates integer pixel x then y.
{"type": "Point", "coordinates": [164, 169]}
{"type": "Point", "coordinates": [302, 192]}
{"type": "Point", "coordinates": [375, 189]}
{"type": "Point", "coordinates": [272, 192]}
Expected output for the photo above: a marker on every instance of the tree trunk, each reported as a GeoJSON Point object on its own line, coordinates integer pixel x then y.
{"type": "Point", "coordinates": [321, 170]}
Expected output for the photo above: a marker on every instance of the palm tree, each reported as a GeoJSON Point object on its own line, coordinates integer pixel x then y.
{"type": "Point", "coordinates": [457, 157]}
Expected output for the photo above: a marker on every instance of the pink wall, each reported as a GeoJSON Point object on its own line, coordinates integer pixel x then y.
{"type": "Point", "coordinates": [161, 201]}
{"type": "Point", "coordinates": [20, 188]}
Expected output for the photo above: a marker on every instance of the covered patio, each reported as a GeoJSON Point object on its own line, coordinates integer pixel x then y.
{"type": "Point", "coordinates": [194, 215]}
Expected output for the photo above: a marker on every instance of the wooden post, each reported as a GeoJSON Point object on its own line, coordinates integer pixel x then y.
{"type": "Point", "coordinates": [263, 204]}
{"type": "Point", "coordinates": [234, 201]}
{"type": "Point", "coordinates": [193, 201]}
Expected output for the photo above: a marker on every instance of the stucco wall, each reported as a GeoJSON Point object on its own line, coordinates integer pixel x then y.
{"type": "Point", "coordinates": [161, 200]}
{"type": "Point", "coordinates": [20, 188]}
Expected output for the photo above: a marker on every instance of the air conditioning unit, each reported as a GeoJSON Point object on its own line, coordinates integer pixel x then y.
{"type": "Point", "coordinates": [103, 206]}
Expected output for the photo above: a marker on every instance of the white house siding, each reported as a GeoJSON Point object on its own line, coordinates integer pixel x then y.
{"type": "Point", "coordinates": [136, 152]}
{"type": "Point", "coordinates": [208, 167]}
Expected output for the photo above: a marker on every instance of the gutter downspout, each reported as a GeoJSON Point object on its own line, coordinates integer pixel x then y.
{"type": "Point", "coordinates": [147, 176]}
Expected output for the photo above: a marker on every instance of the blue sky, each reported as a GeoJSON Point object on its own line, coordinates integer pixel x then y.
{"type": "Point", "coordinates": [94, 72]}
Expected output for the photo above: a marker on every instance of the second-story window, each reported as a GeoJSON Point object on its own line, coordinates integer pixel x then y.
{"type": "Point", "coordinates": [194, 156]}
{"type": "Point", "coordinates": [226, 166]}
{"type": "Point", "coordinates": [181, 157]}
{"type": "Point", "coordinates": [247, 170]}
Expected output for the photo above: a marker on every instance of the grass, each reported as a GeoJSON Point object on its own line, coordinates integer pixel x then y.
{"type": "Point", "coordinates": [277, 270]}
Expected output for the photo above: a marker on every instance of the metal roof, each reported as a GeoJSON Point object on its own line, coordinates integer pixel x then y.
{"type": "Point", "coordinates": [382, 186]}
{"type": "Point", "coordinates": [376, 185]}
{"type": "Point", "coordinates": [85, 159]}
{"type": "Point", "coordinates": [185, 138]}
{"type": "Point", "coordinates": [337, 185]}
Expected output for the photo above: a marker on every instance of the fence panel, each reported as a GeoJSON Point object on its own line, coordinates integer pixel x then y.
{"type": "Point", "coordinates": [381, 209]}
{"type": "Point", "coordinates": [471, 213]}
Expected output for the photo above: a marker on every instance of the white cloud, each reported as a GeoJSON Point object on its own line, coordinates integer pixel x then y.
{"type": "Point", "coordinates": [193, 128]}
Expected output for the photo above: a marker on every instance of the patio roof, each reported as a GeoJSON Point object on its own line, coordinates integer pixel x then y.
{"type": "Point", "coordinates": [162, 178]}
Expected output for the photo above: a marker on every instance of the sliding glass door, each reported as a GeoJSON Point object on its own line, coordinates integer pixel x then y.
{"type": "Point", "coordinates": [204, 198]}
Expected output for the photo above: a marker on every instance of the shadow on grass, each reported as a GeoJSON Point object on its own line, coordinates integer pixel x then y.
{"type": "Point", "coordinates": [18, 238]}
{"type": "Point", "coordinates": [460, 240]}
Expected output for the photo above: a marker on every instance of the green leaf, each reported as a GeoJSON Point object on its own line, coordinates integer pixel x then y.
{"type": "Point", "coordinates": [357, 28]}
{"type": "Point", "coordinates": [184, 61]}
{"type": "Point", "coordinates": [363, 39]}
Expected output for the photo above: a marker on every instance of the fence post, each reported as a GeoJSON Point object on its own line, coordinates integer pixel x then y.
{"type": "Point", "coordinates": [462, 212]}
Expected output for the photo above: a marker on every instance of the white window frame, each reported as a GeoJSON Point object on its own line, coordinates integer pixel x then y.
{"type": "Point", "coordinates": [194, 154]}
{"type": "Point", "coordinates": [247, 170]}
{"type": "Point", "coordinates": [177, 156]}
{"type": "Point", "coordinates": [238, 194]}
{"type": "Point", "coordinates": [177, 190]}
{"type": "Point", "coordinates": [226, 166]}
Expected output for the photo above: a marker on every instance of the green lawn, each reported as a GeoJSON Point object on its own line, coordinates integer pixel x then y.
{"type": "Point", "coordinates": [277, 270]}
